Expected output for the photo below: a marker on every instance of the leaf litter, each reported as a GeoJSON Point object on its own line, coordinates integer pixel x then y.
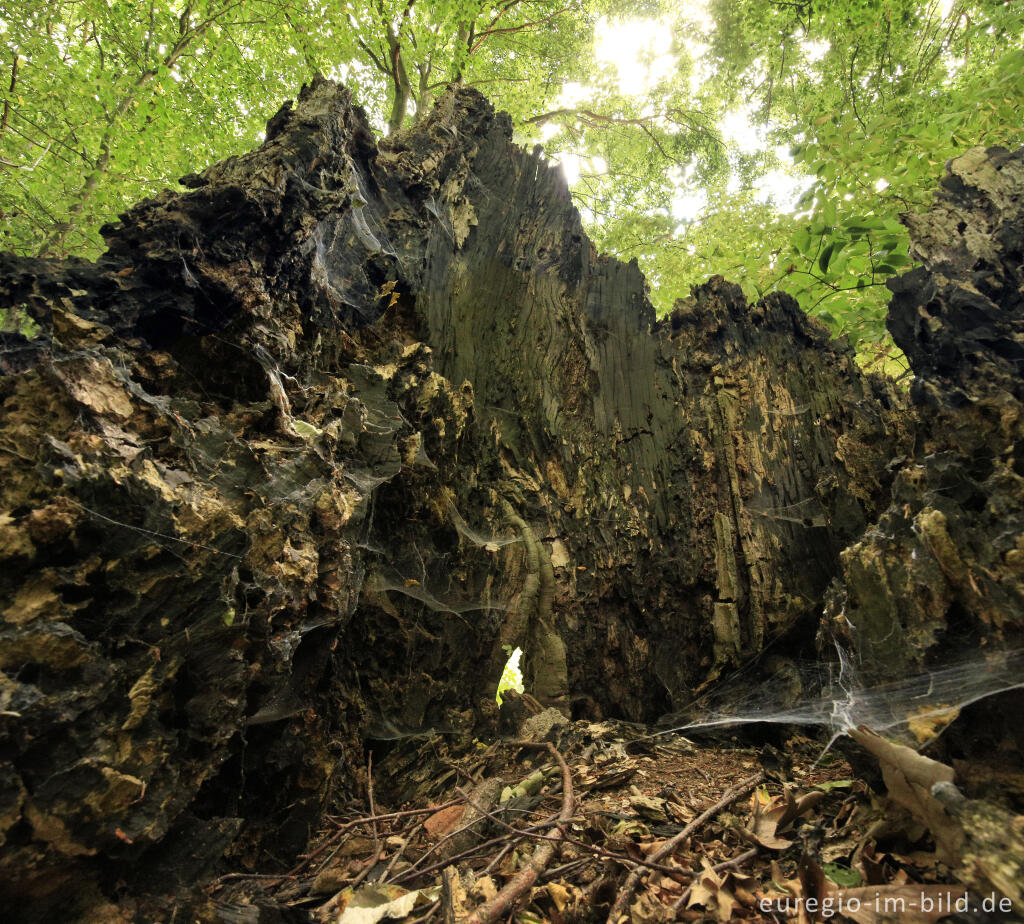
{"type": "Point", "coordinates": [602, 822]}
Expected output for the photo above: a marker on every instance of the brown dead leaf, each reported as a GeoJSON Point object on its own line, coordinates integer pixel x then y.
{"type": "Point", "coordinates": [483, 890]}
{"type": "Point", "coordinates": [743, 887]}
{"type": "Point", "coordinates": [770, 817]}
{"type": "Point", "coordinates": [765, 821]}
{"type": "Point", "coordinates": [648, 910]}
{"type": "Point", "coordinates": [909, 777]}
{"type": "Point", "coordinates": [814, 888]}
{"type": "Point", "coordinates": [726, 902]}
{"type": "Point", "coordinates": [713, 892]}
{"type": "Point", "coordinates": [870, 865]}
{"type": "Point", "coordinates": [798, 807]}
{"type": "Point", "coordinates": [560, 895]}
{"type": "Point", "coordinates": [704, 888]}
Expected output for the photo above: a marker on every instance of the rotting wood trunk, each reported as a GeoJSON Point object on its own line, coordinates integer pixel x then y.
{"type": "Point", "coordinates": [944, 564]}
{"type": "Point", "coordinates": [294, 461]}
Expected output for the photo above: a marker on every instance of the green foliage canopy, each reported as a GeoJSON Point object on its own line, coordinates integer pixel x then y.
{"type": "Point", "coordinates": [866, 100]}
{"type": "Point", "coordinates": [686, 169]}
{"type": "Point", "coordinates": [107, 100]}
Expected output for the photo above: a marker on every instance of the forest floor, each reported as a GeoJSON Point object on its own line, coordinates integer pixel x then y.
{"type": "Point", "coordinates": [605, 821]}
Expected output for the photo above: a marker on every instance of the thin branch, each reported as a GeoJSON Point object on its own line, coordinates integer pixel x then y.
{"type": "Point", "coordinates": [377, 62]}
{"type": "Point", "coordinates": [521, 883]}
{"type": "Point", "coordinates": [482, 37]}
{"type": "Point", "coordinates": [187, 36]}
{"type": "Point", "coordinates": [10, 94]}
{"type": "Point", "coordinates": [414, 873]}
{"type": "Point", "coordinates": [28, 167]}
{"type": "Point", "coordinates": [853, 92]}
{"type": "Point", "coordinates": [666, 849]}
{"type": "Point", "coordinates": [348, 826]}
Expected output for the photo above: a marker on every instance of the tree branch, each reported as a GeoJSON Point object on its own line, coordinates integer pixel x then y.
{"type": "Point", "coordinates": [377, 62]}
{"type": "Point", "coordinates": [187, 36]}
{"type": "Point", "coordinates": [10, 94]}
{"type": "Point", "coordinates": [483, 36]}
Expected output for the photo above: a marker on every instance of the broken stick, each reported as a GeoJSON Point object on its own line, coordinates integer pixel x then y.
{"type": "Point", "coordinates": [666, 849]}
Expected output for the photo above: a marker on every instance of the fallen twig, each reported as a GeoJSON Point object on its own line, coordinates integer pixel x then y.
{"type": "Point", "coordinates": [440, 864]}
{"type": "Point", "coordinates": [233, 877]}
{"type": "Point", "coordinates": [503, 902]}
{"type": "Point", "coordinates": [328, 909]}
{"type": "Point", "coordinates": [390, 816]}
{"type": "Point", "coordinates": [666, 849]}
{"type": "Point", "coordinates": [348, 826]}
{"type": "Point", "coordinates": [406, 837]}
{"type": "Point", "coordinates": [583, 845]}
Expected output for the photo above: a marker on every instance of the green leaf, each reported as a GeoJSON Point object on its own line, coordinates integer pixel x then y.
{"type": "Point", "coordinates": [826, 255]}
{"type": "Point", "coordinates": [828, 213]}
{"type": "Point", "coordinates": [842, 875]}
{"type": "Point", "coordinates": [866, 224]}
{"type": "Point", "coordinates": [897, 259]}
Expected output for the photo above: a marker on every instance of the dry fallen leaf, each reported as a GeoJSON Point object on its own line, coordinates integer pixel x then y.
{"type": "Point", "coordinates": [560, 895]}
{"type": "Point", "coordinates": [765, 821]}
{"type": "Point", "coordinates": [372, 903]}
{"type": "Point", "coordinates": [909, 778]}
{"type": "Point", "coordinates": [774, 815]}
{"type": "Point", "coordinates": [712, 892]}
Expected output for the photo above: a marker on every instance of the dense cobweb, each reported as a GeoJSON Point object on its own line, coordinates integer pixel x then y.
{"type": "Point", "coordinates": [834, 695]}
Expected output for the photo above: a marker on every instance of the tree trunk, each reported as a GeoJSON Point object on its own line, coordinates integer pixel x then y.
{"type": "Point", "coordinates": [402, 87]}
{"type": "Point", "coordinates": [311, 445]}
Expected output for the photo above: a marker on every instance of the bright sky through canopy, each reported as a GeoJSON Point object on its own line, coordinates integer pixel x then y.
{"type": "Point", "coordinates": [640, 52]}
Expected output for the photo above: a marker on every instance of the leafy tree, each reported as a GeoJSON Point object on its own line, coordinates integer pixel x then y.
{"type": "Point", "coordinates": [412, 50]}
{"type": "Point", "coordinates": [111, 99]}
{"type": "Point", "coordinates": [872, 99]}
{"type": "Point", "coordinates": [108, 100]}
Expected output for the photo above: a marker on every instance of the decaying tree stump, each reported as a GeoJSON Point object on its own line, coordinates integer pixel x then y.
{"type": "Point", "coordinates": [291, 463]}
{"type": "Point", "coordinates": [943, 568]}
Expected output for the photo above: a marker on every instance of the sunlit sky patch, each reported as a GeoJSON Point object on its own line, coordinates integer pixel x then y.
{"type": "Point", "coordinates": [638, 49]}
{"type": "Point", "coordinates": [814, 51]}
{"type": "Point", "coordinates": [639, 53]}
